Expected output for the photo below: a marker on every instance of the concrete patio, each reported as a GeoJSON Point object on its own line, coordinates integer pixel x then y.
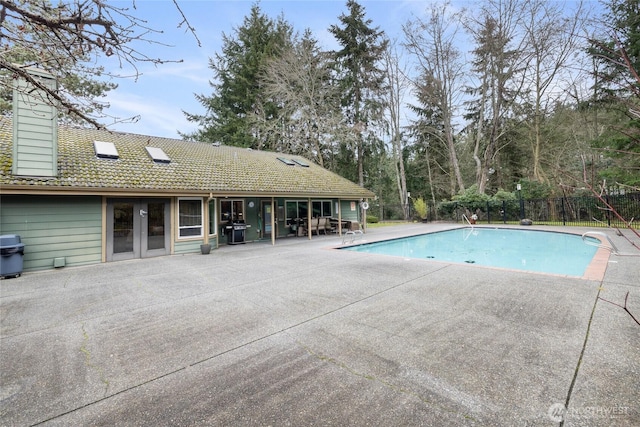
{"type": "Point", "coordinates": [301, 334]}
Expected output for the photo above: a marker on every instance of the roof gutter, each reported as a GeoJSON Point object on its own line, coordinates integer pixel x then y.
{"type": "Point", "coordinates": [120, 192]}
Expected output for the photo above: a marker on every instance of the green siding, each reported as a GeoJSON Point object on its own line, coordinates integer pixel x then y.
{"type": "Point", "coordinates": [347, 213]}
{"type": "Point", "coordinates": [53, 227]}
{"type": "Point", "coordinates": [188, 247]}
{"type": "Point", "coordinates": [35, 132]}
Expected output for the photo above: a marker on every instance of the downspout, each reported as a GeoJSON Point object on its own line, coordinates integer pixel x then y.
{"type": "Point", "coordinates": [205, 221]}
{"type": "Point", "coordinates": [273, 221]}
{"type": "Point", "coordinates": [309, 208]}
{"type": "Point", "coordinates": [339, 217]}
{"type": "Point", "coordinates": [103, 257]}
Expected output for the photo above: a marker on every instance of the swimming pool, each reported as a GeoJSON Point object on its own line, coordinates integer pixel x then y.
{"type": "Point", "coordinates": [527, 250]}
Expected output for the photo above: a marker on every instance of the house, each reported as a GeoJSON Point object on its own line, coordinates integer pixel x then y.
{"type": "Point", "coordinates": [80, 196]}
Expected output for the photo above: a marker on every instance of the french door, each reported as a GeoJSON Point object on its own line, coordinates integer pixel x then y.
{"type": "Point", "coordinates": [138, 228]}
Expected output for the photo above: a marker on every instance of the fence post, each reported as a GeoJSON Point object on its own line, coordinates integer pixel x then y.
{"type": "Point", "coordinates": [519, 188]}
{"type": "Point", "coordinates": [564, 217]}
{"type": "Point", "coordinates": [504, 212]}
{"type": "Point", "coordinates": [488, 213]}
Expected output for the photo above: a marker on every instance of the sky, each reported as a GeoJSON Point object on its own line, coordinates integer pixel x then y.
{"type": "Point", "coordinates": [161, 93]}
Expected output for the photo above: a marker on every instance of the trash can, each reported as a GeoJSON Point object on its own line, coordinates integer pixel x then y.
{"type": "Point", "coordinates": [11, 253]}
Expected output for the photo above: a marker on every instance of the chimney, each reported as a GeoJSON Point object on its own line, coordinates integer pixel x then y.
{"type": "Point", "coordinates": [35, 127]}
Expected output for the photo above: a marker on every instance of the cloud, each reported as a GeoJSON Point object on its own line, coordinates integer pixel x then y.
{"type": "Point", "coordinates": [158, 117]}
{"type": "Point", "coordinates": [192, 70]}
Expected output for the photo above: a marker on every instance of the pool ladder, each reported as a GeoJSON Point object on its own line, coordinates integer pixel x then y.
{"type": "Point", "coordinates": [611, 247]}
{"type": "Point", "coordinates": [351, 236]}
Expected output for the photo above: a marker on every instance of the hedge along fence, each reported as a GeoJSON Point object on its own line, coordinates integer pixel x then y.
{"type": "Point", "coordinates": [585, 211]}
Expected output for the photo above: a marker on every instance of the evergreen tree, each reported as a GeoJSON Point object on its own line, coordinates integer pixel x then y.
{"type": "Point", "coordinates": [617, 77]}
{"type": "Point", "coordinates": [427, 172]}
{"type": "Point", "coordinates": [237, 90]}
{"type": "Point", "coordinates": [360, 78]}
{"type": "Point", "coordinates": [618, 53]}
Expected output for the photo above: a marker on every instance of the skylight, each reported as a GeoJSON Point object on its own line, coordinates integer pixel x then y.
{"type": "Point", "coordinates": [158, 155]}
{"type": "Point", "coordinates": [105, 150]}
{"type": "Point", "coordinates": [301, 163]}
{"type": "Point", "coordinates": [286, 161]}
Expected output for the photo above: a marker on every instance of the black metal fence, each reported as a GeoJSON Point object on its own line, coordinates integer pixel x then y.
{"type": "Point", "coordinates": [580, 211]}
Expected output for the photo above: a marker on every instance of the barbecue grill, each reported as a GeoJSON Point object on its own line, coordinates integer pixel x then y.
{"type": "Point", "coordinates": [235, 231]}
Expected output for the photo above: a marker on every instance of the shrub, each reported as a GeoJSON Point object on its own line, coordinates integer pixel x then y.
{"type": "Point", "coordinates": [372, 219]}
{"type": "Point", "coordinates": [535, 190]}
{"type": "Point", "coordinates": [420, 207]}
{"type": "Point", "coordinates": [503, 195]}
{"type": "Point", "coordinates": [471, 198]}
{"type": "Point", "coordinates": [471, 195]}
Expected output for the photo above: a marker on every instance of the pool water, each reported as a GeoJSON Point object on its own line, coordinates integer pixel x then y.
{"type": "Point", "coordinates": [528, 250]}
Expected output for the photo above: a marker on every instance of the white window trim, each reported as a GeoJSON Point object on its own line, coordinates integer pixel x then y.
{"type": "Point", "coordinates": [214, 230]}
{"type": "Point", "coordinates": [201, 226]}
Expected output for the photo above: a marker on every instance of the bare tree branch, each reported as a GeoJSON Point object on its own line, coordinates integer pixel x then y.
{"type": "Point", "coordinates": [624, 307]}
{"type": "Point", "coordinates": [68, 39]}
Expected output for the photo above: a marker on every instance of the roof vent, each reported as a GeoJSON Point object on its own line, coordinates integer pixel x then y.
{"type": "Point", "coordinates": [105, 150]}
{"type": "Point", "coordinates": [158, 155]}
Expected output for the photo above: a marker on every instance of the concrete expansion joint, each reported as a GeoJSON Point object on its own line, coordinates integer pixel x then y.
{"type": "Point", "coordinates": [87, 360]}
{"type": "Point", "coordinates": [583, 350]}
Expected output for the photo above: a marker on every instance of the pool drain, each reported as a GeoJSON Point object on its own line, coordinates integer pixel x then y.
{"type": "Point", "coordinates": [470, 261]}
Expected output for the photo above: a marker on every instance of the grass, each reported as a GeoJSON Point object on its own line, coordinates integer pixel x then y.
{"type": "Point", "coordinates": [635, 225]}
{"type": "Point", "coordinates": [386, 223]}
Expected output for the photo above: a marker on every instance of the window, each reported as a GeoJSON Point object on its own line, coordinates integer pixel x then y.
{"type": "Point", "coordinates": [286, 161]}
{"type": "Point", "coordinates": [231, 210]}
{"type": "Point", "coordinates": [212, 217]}
{"type": "Point", "coordinates": [190, 217]}
{"type": "Point", "coordinates": [296, 210]}
{"type": "Point", "coordinates": [321, 208]}
{"type": "Point", "coordinates": [158, 155]}
{"type": "Point", "coordinates": [105, 150]}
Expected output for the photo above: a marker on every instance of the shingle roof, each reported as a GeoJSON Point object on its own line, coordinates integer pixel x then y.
{"type": "Point", "coordinates": [194, 167]}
